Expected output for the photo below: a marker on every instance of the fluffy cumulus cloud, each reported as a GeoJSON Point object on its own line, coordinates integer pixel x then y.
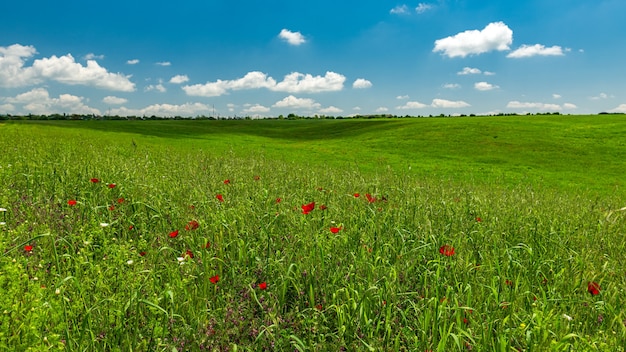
{"type": "Point", "coordinates": [620, 109]}
{"type": "Point", "coordinates": [64, 69]}
{"type": "Point", "coordinates": [442, 103]}
{"type": "Point", "coordinates": [293, 38]}
{"type": "Point", "coordinates": [132, 62]}
{"type": "Point", "coordinates": [361, 83]}
{"type": "Point", "coordinates": [535, 50]}
{"type": "Point", "coordinates": [381, 109]}
{"type": "Point", "coordinates": [39, 101]}
{"type": "Point", "coordinates": [331, 110]}
{"type": "Point", "coordinates": [539, 106]}
{"type": "Point", "coordinates": [164, 63]}
{"type": "Point", "coordinates": [402, 97]}
{"type": "Point", "coordinates": [292, 83]}
{"type": "Point", "coordinates": [112, 100]}
{"type": "Point", "coordinates": [451, 86]}
{"type": "Point", "coordinates": [255, 109]}
{"type": "Point", "coordinates": [469, 71]}
{"type": "Point", "coordinates": [167, 110]}
{"type": "Point", "coordinates": [179, 79]}
{"type": "Point", "coordinates": [423, 7]}
{"type": "Point", "coordinates": [495, 36]}
{"type": "Point", "coordinates": [411, 105]}
{"type": "Point", "coordinates": [156, 87]}
{"type": "Point", "coordinates": [400, 10]}
{"type": "Point", "coordinates": [296, 103]}
{"type": "Point", "coordinates": [484, 86]}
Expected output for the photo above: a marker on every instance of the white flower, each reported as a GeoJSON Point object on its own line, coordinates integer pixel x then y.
{"type": "Point", "coordinates": [129, 262]}
{"type": "Point", "coordinates": [567, 317]}
{"type": "Point", "coordinates": [104, 224]}
{"type": "Point", "coordinates": [2, 223]}
{"type": "Point", "coordinates": [2, 209]}
{"type": "Point", "coordinates": [181, 260]}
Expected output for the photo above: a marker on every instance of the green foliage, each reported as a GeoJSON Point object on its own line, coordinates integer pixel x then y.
{"type": "Point", "coordinates": [108, 273]}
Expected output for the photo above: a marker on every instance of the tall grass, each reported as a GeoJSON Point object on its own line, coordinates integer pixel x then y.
{"type": "Point", "coordinates": [111, 273]}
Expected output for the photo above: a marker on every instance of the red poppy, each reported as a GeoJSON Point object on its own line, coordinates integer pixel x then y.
{"type": "Point", "coordinates": [478, 219]}
{"type": "Point", "coordinates": [446, 250]}
{"type": "Point", "coordinates": [278, 200]}
{"type": "Point", "coordinates": [71, 202]}
{"type": "Point", "coordinates": [214, 279]}
{"type": "Point", "coordinates": [111, 185]}
{"type": "Point", "coordinates": [173, 234]}
{"type": "Point", "coordinates": [131, 227]}
{"type": "Point", "coordinates": [192, 225]}
{"type": "Point", "coordinates": [593, 288]}
{"type": "Point", "coordinates": [323, 207]}
{"type": "Point", "coordinates": [319, 306]}
{"type": "Point", "coordinates": [263, 286]}
{"type": "Point", "coordinates": [111, 207]}
{"type": "Point", "coordinates": [207, 245]}
{"type": "Point", "coordinates": [227, 181]}
{"type": "Point", "coordinates": [142, 253]}
{"type": "Point", "coordinates": [370, 198]}
{"type": "Point", "coordinates": [307, 208]}
{"type": "Point", "coordinates": [120, 200]}
{"type": "Point", "coordinates": [508, 282]}
{"type": "Point", "coordinates": [189, 253]}
{"type": "Point", "coordinates": [356, 195]}
{"type": "Point", "coordinates": [219, 197]}
{"type": "Point", "coordinates": [28, 248]}
{"type": "Point", "coordinates": [335, 229]}
{"type": "Point", "coordinates": [94, 180]}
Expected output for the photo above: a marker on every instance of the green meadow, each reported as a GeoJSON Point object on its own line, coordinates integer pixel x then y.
{"type": "Point", "coordinates": [415, 234]}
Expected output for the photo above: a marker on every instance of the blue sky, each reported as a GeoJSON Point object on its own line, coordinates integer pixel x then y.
{"type": "Point", "coordinates": [339, 58]}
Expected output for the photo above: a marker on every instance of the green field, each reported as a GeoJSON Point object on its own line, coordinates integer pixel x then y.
{"type": "Point", "coordinates": [481, 233]}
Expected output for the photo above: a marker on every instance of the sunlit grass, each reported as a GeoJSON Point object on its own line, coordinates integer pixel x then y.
{"type": "Point", "coordinates": [110, 272]}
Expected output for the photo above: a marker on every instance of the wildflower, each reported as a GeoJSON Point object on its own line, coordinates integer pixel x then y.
{"type": "Point", "coordinates": [189, 254]}
{"type": "Point", "coordinates": [356, 195]}
{"type": "Point", "coordinates": [111, 207]}
{"type": "Point", "coordinates": [446, 250]}
{"type": "Point", "coordinates": [120, 200]}
{"type": "Point", "coordinates": [111, 185]}
{"type": "Point", "coordinates": [508, 282]}
{"type": "Point", "coordinates": [593, 288]}
{"type": "Point", "coordinates": [278, 200]}
{"type": "Point", "coordinates": [370, 198]}
{"type": "Point", "coordinates": [567, 317]}
{"type": "Point", "coordinates": [28, 248]}
{"type": "Point", "coordinates": [335, 229]}
{"type": "Point", "coordinates": [263, 286]}
{"type": "Point", "coordinates": [129, 262]}
{"type": "Point", "coordinates": [173, 234]}
{"type": "Point", "coordinates": [192, 225]}
{"type": "Point", "coordinates": [142, 253]}
{"type": "Point", "coordinates": [220, 197]}
{"type": "Point", "coordinates": [227, 182]}
{"type": "Point", "coordinates": [214, 279]}
{"type": "Point", "coordinates": [323, 207]}
{"type": "Point", "coordinates": [2, 223]}
{"type": "Point", "coordinates": [2, 210]}
{"type": "Point", "coordinates": [131, 227]}
{"type": "Point", "coordinates": [71, 202]}
{"type": "Point", "coordinates": [307, 208]}
{"type": "Point", "coordinates": [94, 180]}
{"type": "Point", "coordinates": [319, 306]}
{"type": "Point", "coordinates": [104, 224]}
{"type": "Point", "coordinates": [207, 245]}
{"type": "Point", "coordinates": [478, 219]}
{"type": "Point", "coordinates": [181, 260]}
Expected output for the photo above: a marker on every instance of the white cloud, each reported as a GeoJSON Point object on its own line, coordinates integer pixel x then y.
{"type": "Point", "coordinates": [330, 110]}
{"type": "Point", "coordinates": [178, 79]}
{"type": "Point", "coordinates": [620, 109]}
{"type": "Point", "coordinates": [292, 83]}
{"type": "Point", "coordinates": [361, 83]}
{"type": "Point", "coordinates": [601, 96]}
{"type": "Point", "coordinates": [164, 63]}
{"type": "Point", "coordinates": [487, 73]}
{"type": "Point", "coordinates": [535, 50]}
{"type": "Point", "coordinates": [5, 108]}
{"type": "Point", "coordinates": [469, 71]}
{"type": "Point", "coordinates": [411, 105]}
{"type": "Point", "coordinates": [381, 109]}
{"type": "Point", "coordinates": [231, 107]}
{"type": "Point", "coordinates": [158, 87]}
{"type": "Point", "coordinates": [92, 56]}
{"type": "Point", "coordinates": [132, 62]}
{"type": "Point", "coordinates": [296, 103]}
{"type": "Point", "coordinates": [495, 36]}
{"type": "Point", "coordinates": [402, 97]}
{"type": "Point", "coordinates": [528, 105]}
{"type": "Point", "coordinates": [114, 100]}
{"type": "Point", "coordinates": [293, 38]}
{"type": "Point", "coordinates": [442, 103]}
{"type": "Point", "coordinates": [167, 110]}
{"type": "Point", "coordinates": [483, 86]}
{"type": "Point", "coordinates": [556, 96]}
{"type": "Point", "coordinates": [569, 106]}
{"type": "Point", "coordinates": [356, 108]}
{"type": "Point", "coordinates": [451, 86]}
{"type": "Point", "coordinates": [422, 7]}
{"type": "Point", "coordinates": [38, 101]}
{"type": "Point", "coordinates": [400, 10]}
{"type": "Point", "coordinates": [256, 109]}
{"type": "Point", "coordinates": [12, 71]}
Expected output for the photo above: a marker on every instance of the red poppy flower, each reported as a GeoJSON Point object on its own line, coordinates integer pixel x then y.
{"type": "Point", "coordinates": [131, 227]}
{"type": "Point", "coordinates": [323, 207]}
{"type": "Point", "coordinates": [214, 279]}
{"type": "Point", "coordinates": [111, 207]}
{"type": "Point", "coordinates": [111, 185]}
{"type": "Point", "coordinates": [94, 180]}
{"type": "Point", "coordinates": [227, 181]}
{"type": "Point", "coordinates": [478, 219]}
{"type": "Point", "coordinates": [120, 200]}
{"type": "Point", "coordinates": [263, 286]}
{"type": "Point", "coordinates": [207, 245]}
{"type": "Point", "coordinates": [278, 200]}
{"type": "Point", "coordinates": [335, 229]}
{"type": "Point", "coordinates": [71, 202]}
{"type": "Point", "coordinates": [142, 253]}
{"type": "Point", "coordinates": [446, 250]}
{"type": "Point", "coordinates": [28, 248]}
{"type": "Point", "coordinates": [508, 282]}
{"type": "Point", "coordinates": [220, 197]}
{"type": "Point", "coordinates": [593, 288]}
{"type": "Point", "coordinates": [192, 225]}
{"type": "Point", "coordinates": [173, 234]}
{"type": "Point", "coordinates": [307, 208]}
{"type": "Point", "coordinates": [370, 198]}
{"type": "Point", "coordinates": [319, 306]}
{"type": "Point", "coordinates": [189, 253]}
{"type": "Point", "coordinates": [356, 195]}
